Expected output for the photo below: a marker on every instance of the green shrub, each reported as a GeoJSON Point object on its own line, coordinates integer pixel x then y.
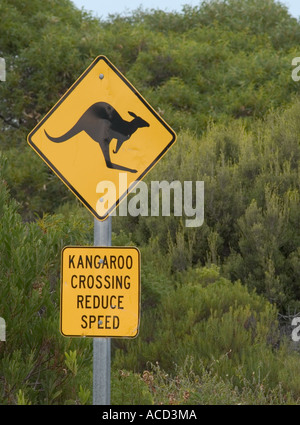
{"type": "Point", "coordinates": [32, 364]}
{"type": "Point", "coordinates": [220, 75]}
{"type": "Point", "coordinates": [230, 332]}
{"type": "Point", "coordinates": [182, 386]}
{"type": "Point", "coordinates": [129, 388]}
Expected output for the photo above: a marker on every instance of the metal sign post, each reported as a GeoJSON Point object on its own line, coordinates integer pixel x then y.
{"type": "Point", "coordinates": [2, 78]}
{"type": "Point", "coordinates": [101, 346]}
{"type": "Point", "coordinates": [2, 70]}
{"type": "Point", "coordinates": [98, 114]}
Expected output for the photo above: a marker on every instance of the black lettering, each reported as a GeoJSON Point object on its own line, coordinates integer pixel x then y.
{"type": "Point", "coordinates": [71, 261]}
{"type": "Point", "coordinates": [96, 304]}
{"type": "Point", "coordinates": [88, 261]}
{"type": "Point", "coordinates": [120, 262]}
{"type": "Point", "coordinates": [119, 282]}
{"type": "Point", "coordinates": [90, 281]}
{"type": "Point", "coordinates": [107, 320]}
{"type": "Point", "coordinates": [113, 261]}
{"type": "Point", "coordinates": [107, 280]}
{"type": "Point", "coordinates": [79, 301]}
{"type": "Point", "coordinates": [97, 261]}
{"type": "Point", "coordinates": [83, 318]}
{"type": "Point", "coordinates": [129, 262]}
{"type": "Point", "coordinates": [103, 322]}
{"type": "Point", "coordinates": [120, 300]}
{"type": "Point", "coordinates": [80, 262]}
{"type": "Point", "coordinates": [87, 301]}
{"type": "Point", "coordinates": [100, 322]}
{"type": "Point", "coordinates": [104, 303]}
{"type": "Point", "coordinates": [81, 281]}
{"type": "Point", "coordinates": [73, 285]}
{"type": "Point", "coordinates": [91, 321]}
{"type": "Point", "coordinates": [127, 282]}
{"type": "Point", "coordinates": [99, 284]}
{"type": "Point", "coordinates": [105, 263]}
{"type": "Point", "coordinates": [112, 306]}
{"type": "Point", "coordinates": [116, 322]}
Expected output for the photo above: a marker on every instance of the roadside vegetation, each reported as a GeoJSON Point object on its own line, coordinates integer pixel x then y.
{"type": "Point", "coordinates": [217, 300]}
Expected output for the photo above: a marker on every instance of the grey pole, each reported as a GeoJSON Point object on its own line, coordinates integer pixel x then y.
{"type": "Point", "coordinates": [2, 78]}
{"type": "Point", "coordinates": [2, 70]}
{"type": "Point", "coordinates": [101, 346]}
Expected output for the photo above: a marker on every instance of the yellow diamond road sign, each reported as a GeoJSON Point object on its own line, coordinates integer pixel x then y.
{"type": "Point", "coordinates": [100, 291]}
{"type": "Point", "coordinates": [101, 127]}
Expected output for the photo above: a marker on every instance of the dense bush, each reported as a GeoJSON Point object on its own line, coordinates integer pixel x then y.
{"type": "Point", "coordinates": [251, 178]}
{"type": "Point", "coordinates": [220, 74]}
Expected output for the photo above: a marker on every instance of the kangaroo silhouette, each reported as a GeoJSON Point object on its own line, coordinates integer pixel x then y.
{"type": "Point", "coordinates": [103, 123]}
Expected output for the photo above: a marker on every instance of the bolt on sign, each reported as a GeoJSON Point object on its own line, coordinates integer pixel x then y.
{"type": "Point", "coordinates": [102, 125]}
{"type": "Point", "coordinates": [100, 291]}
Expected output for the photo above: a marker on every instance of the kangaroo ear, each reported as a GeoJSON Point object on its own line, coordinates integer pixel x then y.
{"type": "Point", "coordinates": [132, 114]}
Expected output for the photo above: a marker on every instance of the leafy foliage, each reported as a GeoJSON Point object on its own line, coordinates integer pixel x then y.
{"type": "Point", "coordinates": [220, 75]}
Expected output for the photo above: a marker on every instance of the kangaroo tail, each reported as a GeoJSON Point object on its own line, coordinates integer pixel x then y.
{"type": "Point", "coordinates": [72, 132]}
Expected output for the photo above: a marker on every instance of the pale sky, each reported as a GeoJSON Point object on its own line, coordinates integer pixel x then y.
{"type": "Point", "coordinates": [103, 8]}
